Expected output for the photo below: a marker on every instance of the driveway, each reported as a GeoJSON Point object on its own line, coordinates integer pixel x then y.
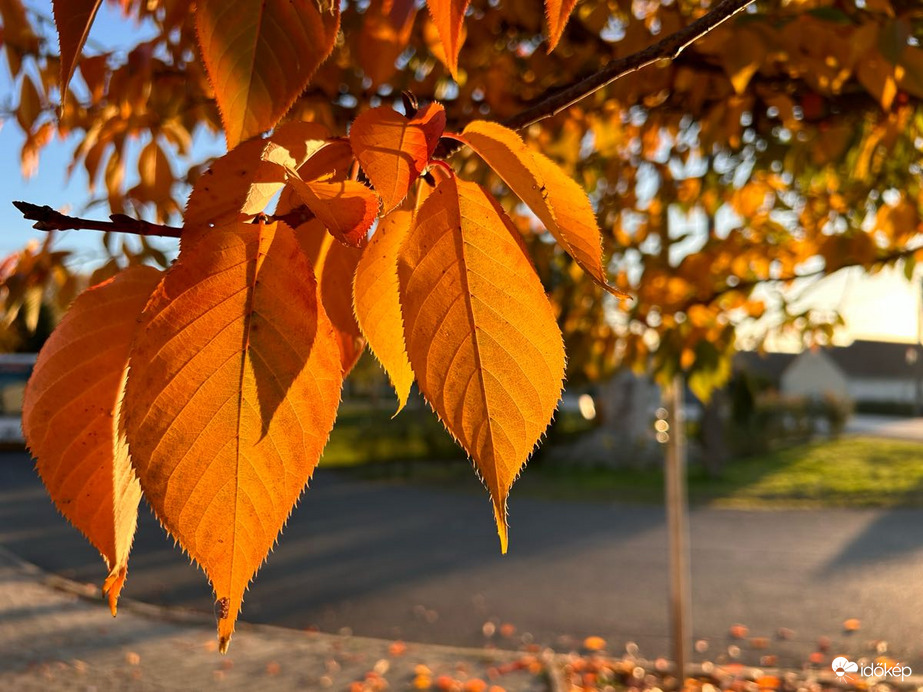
{"type": "Point", "coordinates": [424, 565]}
{"type": "Point", "coordinates": [895, 427]}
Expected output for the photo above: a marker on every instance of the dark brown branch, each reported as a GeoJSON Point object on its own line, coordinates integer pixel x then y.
{"type": "Point", "coordinates": [47, 219]}
{"type": "Point", "coordinates": [668, 48]}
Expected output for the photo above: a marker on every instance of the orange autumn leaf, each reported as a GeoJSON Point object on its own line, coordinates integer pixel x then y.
{"type": "Point", "coordinates": [73, 19]}
{"type": "Point", "coordinates": [260, 56]}
{"type": "Point", "coordinates": [346, 208]}
{"type": "Point", "coordinates": [377, 301]}
{"type": "Point", "coordinates": [386, 31]}
{"type": "Point", "coordinates": [559, 203]}
{"type": "Point", "coordinates": [330, 163]}
{"type": "Point", "coordinates": [334, 266]}
{"type": "Point", "coordinates": [71, 417]}
{"type": "Point", "coordinates": [394, 149]}
{"type": "Point", "coordinates": [557, 12]}
{"type": "Point", "coordinates": [448, 16]}
{"type": "Point", "coordinates": [480, 332]}
{"type": "Point", "coordinates": [232, 391]}
{"type": "Point", "coordinates": [241, 183]}
{"type": "Point", "coordinates": [594, 643]}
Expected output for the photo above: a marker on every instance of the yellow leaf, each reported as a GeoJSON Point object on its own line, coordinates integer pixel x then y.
{"type": "Point", "coordinates": [232, 391]}
{"type": "Point", "coordinates": [377, 301]}
{"type": "Point", "coordinates": [241, 183]}
{"type": "Point", "coordinates": [334, 267]}
{"type": "Point", "coordinates": [557, 13]}
{"type": "Point", "coordinates": [71, 413]}
{"type": "Point", "coordinates": [73, 19]}
{"type": "Point", "coordinates": [260, 56]}
{"type": "Point", "coordinates": [559, 202]}
{"type": "Point", "coordinates": [448, 16]}
{"type": "Point", "coordinates": [480, 333]}
{"type": "Point", "coordinates": [394, 149]}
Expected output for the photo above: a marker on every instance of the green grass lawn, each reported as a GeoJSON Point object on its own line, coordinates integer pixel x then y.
{"type": "Point", "coordinates": [849, 472]}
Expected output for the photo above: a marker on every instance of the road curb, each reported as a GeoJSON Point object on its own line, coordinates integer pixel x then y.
{"type": "Point", "coordinates": [552, 674]}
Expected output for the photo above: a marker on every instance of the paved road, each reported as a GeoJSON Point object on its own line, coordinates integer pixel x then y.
{"type": "Point", "coordinates": [399, 561]}
{"type": "Point", "coordinates": [899, 428]}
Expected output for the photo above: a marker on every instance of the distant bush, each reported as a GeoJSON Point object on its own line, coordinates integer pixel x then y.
{"type": "Point", "coordinates": [775, 421]}
{"type": "Point", "coordinates": [886, 408]}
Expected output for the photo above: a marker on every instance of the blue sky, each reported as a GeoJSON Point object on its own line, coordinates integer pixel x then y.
{"type": "Point", "coordinates": [50, 185]}
{"type": "Point", "coordinates": [885, 306]}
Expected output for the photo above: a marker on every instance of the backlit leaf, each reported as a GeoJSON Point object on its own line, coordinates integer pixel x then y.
{"type": "Point", "coordinates": [377, 301]}
{"type": "Point", "coordinates": [30, 104]}
{"type": "Point", "coordinates": [448, 16]}
{"type": "Point", "coordinates": [232, 391]}
{"type": "Point", "coordinates": [73, 19]}
{"type": "Point", "coordinates": [241, 183]}
{"type": "Point", "coordinates": [386, 29]}
{"type": "Point", "coordinates": [557, 13]}
{"type": "Point", "coordinates": [559, 203]}
{"type": "Point", "coordinates": [334, 266]}
{"type": "Point", "coordinates": [480, 333]}
{"type": "Point", "coordinates": [346, 208]}
{"type": "Point", "coordinates": [260, 57]}
{"type": "Point", "coordinates": [394, 149]}
{"type": "Point", "coordinates": [71, 413]}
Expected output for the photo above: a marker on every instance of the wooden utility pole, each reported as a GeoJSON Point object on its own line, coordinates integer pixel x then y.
{"type": "Point", "coordinates": [678, 527]}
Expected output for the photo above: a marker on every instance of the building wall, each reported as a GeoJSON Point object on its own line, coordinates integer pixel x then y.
{"type": "Point", "coordinates": [881, 390]}
{"type": "Point", "coordinates": [814, 374]}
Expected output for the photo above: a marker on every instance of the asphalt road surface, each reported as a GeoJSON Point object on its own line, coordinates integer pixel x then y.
{"type": "Point", "coordinates": [424, 565]}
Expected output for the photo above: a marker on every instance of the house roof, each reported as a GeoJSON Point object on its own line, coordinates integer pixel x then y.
{"type": "Point", "coordinates": [768, 365]}
{"type": "Point", "coordinates": [884, 360]}
{"type": "Point", "coordinates": [879, 359]}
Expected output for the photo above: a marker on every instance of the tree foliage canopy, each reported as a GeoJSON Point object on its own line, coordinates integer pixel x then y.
{"type": "Point", "coordinates": [468, 256]}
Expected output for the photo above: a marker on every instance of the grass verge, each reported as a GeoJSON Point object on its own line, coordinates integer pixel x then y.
{"type": "Point", "coordinates": [849, 472]}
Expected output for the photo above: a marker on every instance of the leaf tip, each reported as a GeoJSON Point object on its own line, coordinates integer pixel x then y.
{"type": "Point", "coordinates": [503, 528]}
{"type": "Point", "coordinates": [226, 622]}
{"type": "Point", "coordinates": [617, 292]}
{"type": "Point", "coordinates": [112, 587]}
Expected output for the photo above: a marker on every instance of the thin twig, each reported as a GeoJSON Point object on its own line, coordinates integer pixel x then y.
{"type": "Point", "coordinates": [668, 48]}
{"type": "Point", "coordinates": [745, 286]}
{"type": "Point", "coordinates": [47, 219]}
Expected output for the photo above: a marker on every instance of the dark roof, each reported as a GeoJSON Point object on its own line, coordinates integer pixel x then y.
{"type": "Point", "coordinates": [885, 360]}
{"type": "Point", "coordinates": [767, 365]}
{"type": "Point", "coordinates": [878, 359]}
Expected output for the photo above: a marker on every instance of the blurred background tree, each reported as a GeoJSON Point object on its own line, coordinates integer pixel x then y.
{"type": "Point", "coordinates": [785, 144]}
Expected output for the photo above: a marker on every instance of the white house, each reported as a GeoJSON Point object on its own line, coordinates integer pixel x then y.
{"type": "Point", "coordinates": [866, 372]}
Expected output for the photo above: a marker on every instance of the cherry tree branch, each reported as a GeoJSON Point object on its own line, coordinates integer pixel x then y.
{"type": "Point", "coordinates": [668, 48]}
{"type": "Point", "coordinates": [47, 219]}
{"type": "Point", "coordinates": [883, 259]}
